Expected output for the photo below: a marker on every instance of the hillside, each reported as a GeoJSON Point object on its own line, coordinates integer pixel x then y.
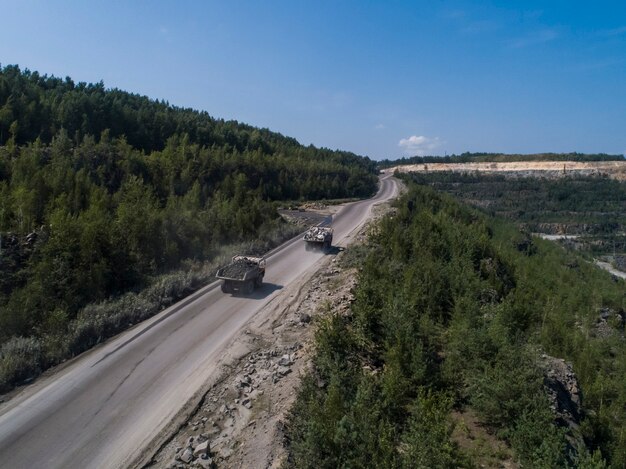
{"type": "Point", "coordinates": [103, 192]}
{"type": "Point", "coordinates": [34, 106]}
{"type": "Point", "coordinates": [468, 343]}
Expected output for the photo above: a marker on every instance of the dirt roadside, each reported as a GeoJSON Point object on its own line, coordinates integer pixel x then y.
{"type": "Point", "coordinates": [239, 421]}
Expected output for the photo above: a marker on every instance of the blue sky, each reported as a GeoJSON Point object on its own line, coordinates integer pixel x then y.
{"type": "Point", "coordinates": [379, 78]}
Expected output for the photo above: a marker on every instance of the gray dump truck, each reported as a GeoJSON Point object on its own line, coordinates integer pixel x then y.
{"type": "Point", "coordinates": [243, 274]}
{"type": "Point", "coordinates": [318, 237]}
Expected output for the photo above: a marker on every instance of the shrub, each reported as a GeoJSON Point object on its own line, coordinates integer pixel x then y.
{"type": "Point", "coordinates": [20, 359]}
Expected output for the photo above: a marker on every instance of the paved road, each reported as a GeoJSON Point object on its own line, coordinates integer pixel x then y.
{"type": "Point", "coordinates": [105, 407]}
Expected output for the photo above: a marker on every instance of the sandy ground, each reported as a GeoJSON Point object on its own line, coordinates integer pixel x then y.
{"type": "Point", "coordinates": [608, 267]}
{"type": "Point", "coordinates": [555, 237]}
{"type": "Point", "coordinates": [241, 417]}
{"type": "Point", "coordinates": [612, 169]}
{"type": "Point", "coordinates": [314, 214]}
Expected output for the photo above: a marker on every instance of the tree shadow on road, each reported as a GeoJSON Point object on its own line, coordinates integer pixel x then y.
{"type": "Point", "coordinates": [333, 250]}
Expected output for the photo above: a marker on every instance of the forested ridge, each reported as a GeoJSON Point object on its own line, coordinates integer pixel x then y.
{"type": "Point", "coordinates": [591, 207]}
{"type": "Point", "coordinates": [38, 106]}
{"type": "Point", "coordinates": [104, 191]}
{"type": "Point", "coordinates": [458, 313]}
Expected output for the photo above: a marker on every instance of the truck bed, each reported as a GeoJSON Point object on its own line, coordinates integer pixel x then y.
{"type": "Point", "coordinates": [236, 271]}
{"type": "Point", "coordinates": [318, 234]}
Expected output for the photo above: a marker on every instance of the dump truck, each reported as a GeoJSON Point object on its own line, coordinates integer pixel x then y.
{"type": "Point", "coordinates": [318, 237]}
{"type": "Point", "coordinates": [243, 274]}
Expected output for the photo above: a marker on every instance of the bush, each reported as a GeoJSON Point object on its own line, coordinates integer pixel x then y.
{"type": "Point", "coordinates": [20, 360]}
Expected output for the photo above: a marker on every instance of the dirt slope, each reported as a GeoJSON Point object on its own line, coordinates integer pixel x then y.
{"type": "Point", "coordinates": [612, 169]}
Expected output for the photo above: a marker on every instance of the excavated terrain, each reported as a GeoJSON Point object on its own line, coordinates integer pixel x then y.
{"type": "Point", "coordinates": [546, 169]}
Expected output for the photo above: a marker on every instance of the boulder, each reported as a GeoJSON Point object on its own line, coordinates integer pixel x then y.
{"type": "Point", "coordinates": [284, 371]}
{"type": "Point", "coordinates": [565, 398]}
{"type": "Point", "coordinates": [187, 455]}
{"type": "Point", "coordinates": [610, 323]}
{"type": "Point", "coordinates": [285, 360]}
{"type": "Point", "coordinates": [244, 381]}
{"type": "Point", "coordinates": [204, 463]}
{"type": "Point", "coordinates": [563, 389]}
{"type": "Point", "coordinates": [202, 448]}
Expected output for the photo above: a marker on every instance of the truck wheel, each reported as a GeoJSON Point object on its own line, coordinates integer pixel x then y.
{"type": "Point", "coordinates": [248, 287]}
{"type": "Point", "coordinates": [226, 287]}
{"type": "Point", "coordinates": [258, 282]}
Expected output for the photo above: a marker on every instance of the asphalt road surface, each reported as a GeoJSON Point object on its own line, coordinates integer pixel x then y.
{"type": "Point", "coordinates": [109, 403]}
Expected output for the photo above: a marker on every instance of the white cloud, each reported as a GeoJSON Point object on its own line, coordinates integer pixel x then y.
{"type": "Point", "coordinates": [419, 145]}
{"type": "Point", "coordinates": [379, 126]}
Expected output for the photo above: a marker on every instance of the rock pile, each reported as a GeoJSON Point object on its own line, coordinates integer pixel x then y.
{"type": "Point", "coordinates": [237, 269]}
{"type": "Point", "coordinates": [302, 218]}
{"type": "Point", "coordinates": [313, 206]}
{"type": "Point", "coordinates": [239, 398]}
{"type": "Point", "coordinates": [196, 453]}
{"type": "Point", "coordinates": [563, 390]}
{"type": "Point", "coordinates": [620, 262]}
{"type": "Point", "coordinates": [610, 323]}
{"type": "Point", "coordinates": [318, 234]}
{"type": "Point", "coordinates": [270, 367]}
{"type": "Point", "coordinates": [565, 397]}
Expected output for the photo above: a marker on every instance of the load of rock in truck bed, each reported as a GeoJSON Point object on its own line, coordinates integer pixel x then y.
{"type": "Point", "coordinates": [240, 266]}
{"type": "Point", "coordinates": [243, 274]}
{"type": "Point", "coordinates": [318, 236]}
{"type": "Point", "coordinates": [237, 269]}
